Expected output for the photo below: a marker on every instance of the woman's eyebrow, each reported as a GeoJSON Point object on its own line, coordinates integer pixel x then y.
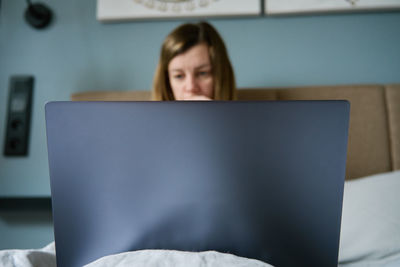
{"type": "Point", "coordinates": [196, 68]}
{"type": "Point", "coordinates": [203, 66]}
{"type": "Point", "coordinates": [176, 69]}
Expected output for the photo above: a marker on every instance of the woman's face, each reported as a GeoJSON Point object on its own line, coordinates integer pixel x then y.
{"type": "Point", "coordinates": [190, 74]}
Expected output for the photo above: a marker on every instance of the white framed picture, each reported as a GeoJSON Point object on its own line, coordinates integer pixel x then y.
{"type": "Point", "coordinates": [111, 10]}
{"type": "Point", "coordinates": [273, 7]}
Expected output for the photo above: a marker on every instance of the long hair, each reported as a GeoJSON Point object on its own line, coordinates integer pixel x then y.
{"type": "Point", "coordinates": [182, 39]}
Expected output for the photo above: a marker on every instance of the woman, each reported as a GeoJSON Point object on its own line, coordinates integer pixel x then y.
{"type": "Point", "coordinates": [194, 65]}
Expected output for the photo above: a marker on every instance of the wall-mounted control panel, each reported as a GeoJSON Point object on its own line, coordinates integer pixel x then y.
{"type": "Point", "coordinates": [18, 116]}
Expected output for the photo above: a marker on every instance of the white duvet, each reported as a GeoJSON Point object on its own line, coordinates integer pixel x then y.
{"type": "Point", "coordinates": [370, 236]}
{"type": "Point", "coordinates": [45, 257]}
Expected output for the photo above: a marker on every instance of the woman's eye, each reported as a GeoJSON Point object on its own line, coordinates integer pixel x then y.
{"type": "Point", "coordinates": [203, 73]}
{"type": "Point", "coordinates": [178, 76]}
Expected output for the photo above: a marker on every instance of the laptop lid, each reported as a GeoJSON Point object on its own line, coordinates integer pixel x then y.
{"type": "Point", "coordinates": [262, 180]}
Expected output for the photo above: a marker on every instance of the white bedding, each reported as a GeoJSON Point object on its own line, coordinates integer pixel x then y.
{"type": "Point", "coordinates": [45, 257]}
{"type": "Point", "coordinates": [370, 236]}
{"type": "Point", "coordinates": [156, 258]}
{"type": "Point", "coordinates": [370, 232]}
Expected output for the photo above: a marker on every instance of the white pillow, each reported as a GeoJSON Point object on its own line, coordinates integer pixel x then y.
{"type": "Point", "coordinates": [370, 232]}
{"type": "Point", "coordinates": [173, 258]}
{"type": "Point", "coordinates": [44, 257]}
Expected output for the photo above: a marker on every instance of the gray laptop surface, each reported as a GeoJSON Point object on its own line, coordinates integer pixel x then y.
{"type": "Point", "coordinates": [261, 180]}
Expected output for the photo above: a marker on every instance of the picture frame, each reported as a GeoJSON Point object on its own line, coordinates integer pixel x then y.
{"type": "Point", "coordinates": [113, 10]}
{"type": "Point", "coordinates": [277, 7]}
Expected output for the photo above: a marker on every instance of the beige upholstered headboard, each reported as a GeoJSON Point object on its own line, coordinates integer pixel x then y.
{"type": "Point", "coordinates": [374, 136]}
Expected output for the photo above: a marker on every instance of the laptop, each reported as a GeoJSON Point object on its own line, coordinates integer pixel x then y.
{"type": "Point", "coordinates": [261, 180]}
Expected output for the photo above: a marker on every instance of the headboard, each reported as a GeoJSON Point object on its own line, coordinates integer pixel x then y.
{"type": "Point", "coordinates": [374, 134]}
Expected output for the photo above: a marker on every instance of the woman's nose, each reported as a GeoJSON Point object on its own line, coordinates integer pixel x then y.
{"type": "Point", "coordinates": [191, 84]}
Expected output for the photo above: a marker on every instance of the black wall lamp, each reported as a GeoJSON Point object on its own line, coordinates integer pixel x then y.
{"type": "Point", "coordinates": [38, 15]}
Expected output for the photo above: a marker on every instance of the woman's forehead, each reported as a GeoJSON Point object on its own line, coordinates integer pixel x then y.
{"type": "Point", "coordinates": [196, 57]}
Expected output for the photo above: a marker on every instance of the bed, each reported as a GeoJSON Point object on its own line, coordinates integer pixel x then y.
{"type": "Point", "coordinates": [370, 234]}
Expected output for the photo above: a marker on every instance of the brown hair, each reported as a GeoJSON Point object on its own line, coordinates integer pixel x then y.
{"type": "Point", "coordinates": [182, 39]}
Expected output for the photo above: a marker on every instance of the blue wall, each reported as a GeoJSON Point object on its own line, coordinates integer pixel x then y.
{"type": "Point", "coordinates": [78, 53]}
